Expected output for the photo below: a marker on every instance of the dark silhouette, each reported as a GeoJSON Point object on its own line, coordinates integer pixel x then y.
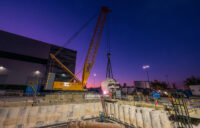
{"type": "Point", "coordinates": [158, 85]}
{"type": "Point", "coordinates": [192, 81]}
{"type": "Point", "coordinates": [174, 85]}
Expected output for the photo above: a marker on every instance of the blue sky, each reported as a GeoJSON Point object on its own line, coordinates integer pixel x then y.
{"type": "Point", "coordinates": [162, 34]}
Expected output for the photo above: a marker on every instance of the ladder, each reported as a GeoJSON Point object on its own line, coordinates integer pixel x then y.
{"type": "Point", "coordinates": [181, 113]}
{"type": "Point", "coordinates": [103, 105]}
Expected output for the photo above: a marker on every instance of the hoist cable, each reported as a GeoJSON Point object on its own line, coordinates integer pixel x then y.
{"type": "Point", "coordinates": [109, 73]}
{"type": "Point", "coordinates": [108, 35]}
{"type": "Point", "coordinates": [70, 39]}
{"type": "Point", "coordinates": [75, 34]}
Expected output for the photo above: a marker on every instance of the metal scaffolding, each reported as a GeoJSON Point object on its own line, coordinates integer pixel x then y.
{"type": "Point", "coordinates": [181, 113]}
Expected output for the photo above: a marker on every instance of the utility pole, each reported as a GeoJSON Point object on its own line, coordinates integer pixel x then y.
{"type": "Point", "coordinates": [147, 75]}
{"type": "Point", "coordinates": [146, 67]}
{"type": "Point", "coordinates": [167, 81]}
{"type": "Point", "coordinates": [94, 78]}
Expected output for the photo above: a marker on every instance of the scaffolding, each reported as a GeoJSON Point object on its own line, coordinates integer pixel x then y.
{"type": "Point", "coordinates": [181, 113]}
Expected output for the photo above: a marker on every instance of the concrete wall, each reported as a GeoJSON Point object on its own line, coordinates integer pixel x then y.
{"type": "Point", "coordinates": [34, 116]}
{"type": "Point", "coordinates": [139, 117]}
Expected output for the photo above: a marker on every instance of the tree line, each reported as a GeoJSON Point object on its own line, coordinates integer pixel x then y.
{"type": "Point", "coordinates": [163, 85]}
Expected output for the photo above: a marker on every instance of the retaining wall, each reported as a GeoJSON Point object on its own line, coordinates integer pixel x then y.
{"type": "Point", "coordinates": [139, 117]}
{"type": "Point", "coordinates": [35, 116]}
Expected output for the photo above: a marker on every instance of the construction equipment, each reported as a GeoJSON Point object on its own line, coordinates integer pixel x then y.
{"type": "Point", "coordinates": [109, 73]}
{"type": "Point", "coordinates": [35, 91]}
{"type": "Point", "coordinates": [109, 86]}
{"type": "Point", "coordinates": [79, 85]}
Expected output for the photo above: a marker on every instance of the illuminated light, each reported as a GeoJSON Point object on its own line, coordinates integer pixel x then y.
{"type": "Point", "coordinates": [2, 68]}
{"type": "Point", "coordinates": [37, 72]}
{"type": "Point", "coordinates": [66, 84]}
{"type": "Point", "coordinates": [165, 93]}
{"type": "Point", "coordinates": [63, 75]}
{"type": "Point", "coordinates": [145, 66]}
{"type": "Point", "coordinates": [95, 74]}
{"type": "Point", "coordinates": [104, 92]}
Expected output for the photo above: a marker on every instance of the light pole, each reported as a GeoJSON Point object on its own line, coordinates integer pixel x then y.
{"type": "Point", "coordinates": [94, 77]}
{"type": "Point", "coordinates": [146, 67]}
{"type": "Point", "coordinates": [37, 74]}
{"type": "Point", "coordinates": [167, 80]}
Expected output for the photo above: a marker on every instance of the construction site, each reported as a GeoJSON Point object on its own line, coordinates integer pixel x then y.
{"type": "Point", "coordinates": [55, 97]}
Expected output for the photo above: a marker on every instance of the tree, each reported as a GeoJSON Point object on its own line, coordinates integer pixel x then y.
{"type": "Point", "coordinates": [192, 81]}
{"type": "Point", "coordinates": [125, 85]}
{"type": "Point", "coordinates": [174, 85]}
{"type": "Point", "coordinates": [158, 84]}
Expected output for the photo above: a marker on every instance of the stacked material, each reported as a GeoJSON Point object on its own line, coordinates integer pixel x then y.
{"type": "Point", "coordinates": [53, 98]}
{"type": "Point", "coordinates": [69, 97]}
{"type": "Point", "coordinates": [77, 97]}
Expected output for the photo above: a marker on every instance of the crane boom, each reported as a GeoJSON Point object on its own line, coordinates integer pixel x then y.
{"type": "Point", "coordinates": [89, 61]}
{"type": "Point", "coordinates": [64, 67]}
{"type": "Point", "coordinates": [94, 44]}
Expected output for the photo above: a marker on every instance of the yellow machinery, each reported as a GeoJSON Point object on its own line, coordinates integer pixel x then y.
{"type": "Point", "coordinates": [79, 85]}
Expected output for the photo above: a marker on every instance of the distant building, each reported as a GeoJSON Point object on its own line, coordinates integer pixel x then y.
{"type": "Point", "coordinates": [195, 90]}
{"type": "Point", "coordinates": [127, 90]}
{"type": "Point", "coordinates": [23, 60]}
{"type": "Point", "coordinates": [142, 84]}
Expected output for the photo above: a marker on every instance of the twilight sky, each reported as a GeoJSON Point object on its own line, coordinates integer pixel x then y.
{"type": "Point", "coordinates": [164, 34]}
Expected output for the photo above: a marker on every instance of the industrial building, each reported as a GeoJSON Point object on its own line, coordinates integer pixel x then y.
{"type": "Point", "coordinates": [142, 84]}
{"type": "Point", "coordinates": [24, 60]}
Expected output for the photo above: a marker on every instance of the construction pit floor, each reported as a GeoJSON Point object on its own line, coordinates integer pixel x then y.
{"type": "Point", "coordinates": [59, 112]}
{"type": "Point", "coordinates": [89, 123]}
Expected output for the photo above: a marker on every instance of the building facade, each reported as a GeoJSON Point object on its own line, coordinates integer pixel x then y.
{"type": "Point", "coordinates": [24, 60]}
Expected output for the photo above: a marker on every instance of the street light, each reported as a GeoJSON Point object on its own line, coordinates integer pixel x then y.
{"type": "Point", "coordinates": [146, 67]}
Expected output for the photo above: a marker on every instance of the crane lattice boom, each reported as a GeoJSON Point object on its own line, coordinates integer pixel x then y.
{"type": "Point", "coordinates": [92, 52]}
